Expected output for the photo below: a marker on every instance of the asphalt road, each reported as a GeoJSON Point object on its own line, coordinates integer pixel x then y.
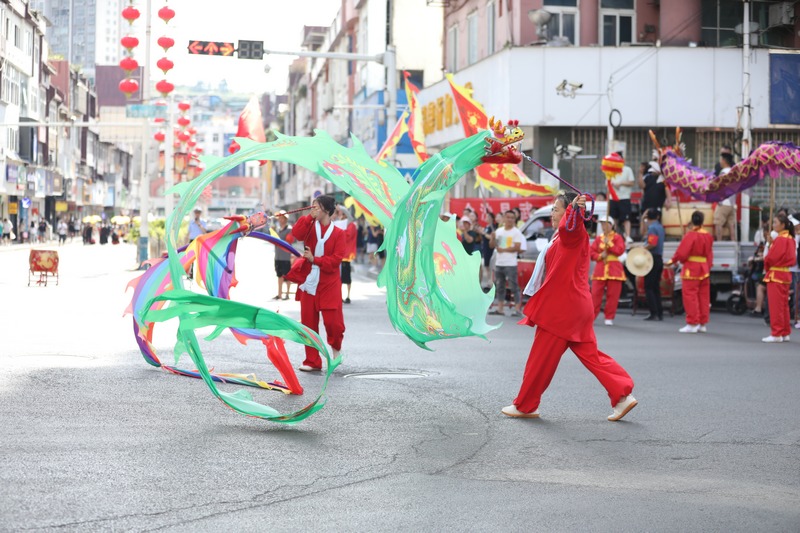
{"type": "Point", "coordinates": [94, 439]}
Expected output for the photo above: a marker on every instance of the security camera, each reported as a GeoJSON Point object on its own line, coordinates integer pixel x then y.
{"type": "Point", "coordinates": [267, 68]}
{"type": "Point", "coordinates": [573, 149]}
{"type": "Point", "coordinates": [561, 86]}
{"type": "Point", "coordinates": [575, 85]}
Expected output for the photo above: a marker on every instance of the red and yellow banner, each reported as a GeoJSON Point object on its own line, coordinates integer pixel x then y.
{"type": "Point", "coordinates": [393, 138]}
{"type": "Point", "coordinates": [500, 177]}
{"type": "Point", "coordinates": [416, 132]}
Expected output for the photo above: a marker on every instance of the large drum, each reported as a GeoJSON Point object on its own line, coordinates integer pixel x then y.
{"type": "Point", "coordinates": [667, 284]}
{"type": "Point", "coordinates": [524, 272]}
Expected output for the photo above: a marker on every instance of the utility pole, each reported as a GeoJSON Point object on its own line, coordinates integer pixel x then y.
{"type": "Point", "coordinates": [144, 181]}
{"type": "Point", "coordinates": [746, 126]}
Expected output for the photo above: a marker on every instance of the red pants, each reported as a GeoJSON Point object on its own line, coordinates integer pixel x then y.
{"type": "Point", "coordinates": [696, 300]}
{"type": "Point", "coordinates": [334, 325]}
{"type": "Point", "coordinates": [612, 296]}
{"type": "Point", "coordinates": [543, 360]}
{"type": "Point", "coordinates": [778, 297]}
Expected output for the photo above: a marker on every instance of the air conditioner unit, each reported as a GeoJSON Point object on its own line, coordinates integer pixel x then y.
{"type": "Point", "coordinates": [781, 14]}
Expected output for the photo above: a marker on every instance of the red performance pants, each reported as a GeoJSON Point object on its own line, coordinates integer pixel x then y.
{"type": "Point", "coordinates": [334, 325]}
{"type": "Point", "coordinates": [543, 360]}
{"type": "Point", "coordinates": [612, 296]}
{"type": "Point", "coordinates": [778, 298]}
{"type": "Point", "coordinates": [696, 300]}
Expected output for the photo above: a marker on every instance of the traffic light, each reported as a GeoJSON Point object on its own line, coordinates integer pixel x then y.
{"type": "Point", "coordinates": [251, 49]}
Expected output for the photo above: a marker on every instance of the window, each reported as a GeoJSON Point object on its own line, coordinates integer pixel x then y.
{"type": "Point", "coordinates": [564, 20]}
{"type": "Point", "coordinates": [617, 20]}
{"type": "Point", "coordinates": [490, 28]}
{"type": "Point", "coordinates": [10, 88]}
{"type": "Point", "coordinates": [472, 37]}
{"type": "Point", "coordinates": [215, 138]}
{"type": "Point", "coordinates": [718, 20]}
{"type": "Point", "coordinates": [17, 37]}
{"type": "Point", "coordinates": [452, 48]}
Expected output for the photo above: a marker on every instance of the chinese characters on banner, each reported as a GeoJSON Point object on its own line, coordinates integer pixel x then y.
{"type": "Point", "coordinates": [498, 205]}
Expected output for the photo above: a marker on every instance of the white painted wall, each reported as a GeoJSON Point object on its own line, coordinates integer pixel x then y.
{"type": "Point", "coordinates": [418, 37]}
{"type": "Point", "coordinates": [666, 87]}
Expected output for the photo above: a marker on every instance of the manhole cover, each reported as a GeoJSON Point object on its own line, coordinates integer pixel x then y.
{"type": "Point", "coordinates": [387, 374]}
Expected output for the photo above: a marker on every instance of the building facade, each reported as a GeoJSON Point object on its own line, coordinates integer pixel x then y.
{"type": "Point", "coordinates": [587, 72]}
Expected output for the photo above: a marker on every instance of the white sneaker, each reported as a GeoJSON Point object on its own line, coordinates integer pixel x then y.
{"type": "Point", "coordinates": [609, 322]}
{"type": "Point", "coordinates": [306, 368]}
{"type": "Point", "coordinates": [786, 338]}
{"type": "Point", "coordinates": [772, 339]}
{"type": "Point", "coordinates": [702, 328]}
{"type": "Point", "coordinates": [512, 411]}
{"type": "Point", "coordinates": [688, 328]}
{"type": "Point", "coordinates": [622, 408]}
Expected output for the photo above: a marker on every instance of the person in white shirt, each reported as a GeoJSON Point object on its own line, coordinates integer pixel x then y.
{"type": "Point", "coordinates": [508, 241]}
{"type": "Point", "coordinates": [62, 232]}
{"type": "Point", "coordinates": [8, 228]}
{"type": "Point", "coordinates": [725, 213]}
{"type": "Point", "coordinates": [623, 184]}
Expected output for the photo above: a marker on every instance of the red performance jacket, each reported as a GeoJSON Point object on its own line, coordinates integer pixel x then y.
{"type": "Point", "coordinates": [350, 239]}
{"type": "Point", "coordinates": [329, 290]}
{"type": "Point", "coordinates": [563, 305]}
{"type": "Point", "coordinates": [611, 268]}
{"type": "Point", "coordinates": [781, 255]}
{"type": "Point", "coordinates": [696, 254]}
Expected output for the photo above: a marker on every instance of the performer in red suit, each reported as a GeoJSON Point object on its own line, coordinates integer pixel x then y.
{"type": "Point", "coordinates": [782, 254]}
{"type": "Point", "coordinates": [321, 292]}
{"type": "Point", "coordinates": [344, 221]}
{"type": "Point", "coordinates": [695, 253]}
{"type": "Point", "coordinates": [561, 308]}
{"type": "Point", "coordinates": [609, 273]}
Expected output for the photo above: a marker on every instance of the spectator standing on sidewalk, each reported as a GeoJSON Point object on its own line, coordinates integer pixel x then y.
{"type": "Point", "coordinates": [725, 213]}
{"type": "Point", "coordinates": [62, 232]}
{"type": "Point", "coordinates": [344, 221]}
{"type": "Point", "coordinates": [652, 281]}
{"type": "Point", "coordinates": [620, 210]}
{"type": "Point", "coordinates": [8, 229]}
{"type": "Point", "coordinates": [508, 240]}
{"type": "Point", "coordinates": [283, 259]}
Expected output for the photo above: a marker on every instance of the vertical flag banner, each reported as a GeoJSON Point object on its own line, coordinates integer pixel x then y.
{"type": "Point", "coordinates": [501, 177]}
{"type": "Point", "coordinates": [416, 133]}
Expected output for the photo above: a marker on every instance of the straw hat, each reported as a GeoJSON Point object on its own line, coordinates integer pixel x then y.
{"type": "Point", "coordinates": [639, 261]}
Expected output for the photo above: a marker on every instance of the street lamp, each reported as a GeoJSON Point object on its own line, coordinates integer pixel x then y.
{"type": "Point", "coordinates": [387, 59]}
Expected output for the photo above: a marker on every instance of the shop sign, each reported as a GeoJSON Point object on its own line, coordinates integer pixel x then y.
{"type": "Point", "coordinates": [12, 173]}
{"type": "Point", "coordinates": [13, 208]}
{"type": "Point", "coordinates": [61, 206]}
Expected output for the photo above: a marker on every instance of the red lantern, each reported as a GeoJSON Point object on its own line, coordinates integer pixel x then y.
{"type": "Point", "coordinates": [164, 87]}
{"type": "Point", "coordinates": [184, 106]}
{"type": "Point", "coordinates": [198, 150]}
{"type": "Point", "coordinates": [159, 136]}
{"type": "Point", "coordinates": [130, 14]}
{"type": "Point", "coordinates": [176, 145]}
{"type": "Point", "coordinates": [191, 143]}
{"type": "Point", "coordinates": [183, 122]}
{"type": "Point", "coordinates": [192, 131]}
{"type": "Point", "coordinates": [128, 64]}
{"type": "Point", "coordinates": [184, 137]}
{"type": "Point", "coordinates": [166, 14]}
{"type": "Point", "coordinates": [159, 120]}
{"type": "Point", "coordinates": [129, 42]}
{"type": "Point", "coordinates": [128, 86]}
{"type": "Point", "coordinates": [166, 42]}
{"type": "Point", "coordinates": [165, 64]}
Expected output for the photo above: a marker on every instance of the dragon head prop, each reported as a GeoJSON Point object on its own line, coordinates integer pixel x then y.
{"type": "Point", "coordinates": [501, 145]}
